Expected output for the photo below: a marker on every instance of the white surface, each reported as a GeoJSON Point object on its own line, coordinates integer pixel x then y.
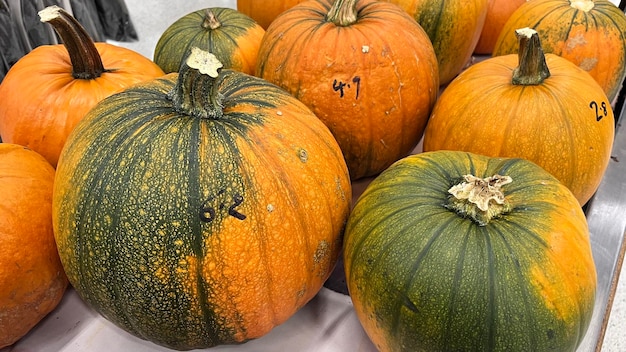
{"type": "Point", "coordinates": [327, 323]}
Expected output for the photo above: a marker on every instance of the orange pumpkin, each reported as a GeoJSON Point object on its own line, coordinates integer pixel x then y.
{"type": "Point", "coordinates": [590, 33]}
{"type": "Point", "coordinates": [52, 87]}
{"type": "Point", "coordinates": [32, 280]}
{"type": "Point", "coordinates": [498, 12]}
{"type": "Point", "coordinates": [546, 110]}
{"type": "Point", "coordinates": [364, 67]}
{"type": "Point", "coordinates": [453, 26]}
{"type": "Point", "coordinates": [264, 12]}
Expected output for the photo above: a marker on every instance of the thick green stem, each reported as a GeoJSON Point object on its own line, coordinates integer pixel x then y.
{"type": "Point", "coordinates": [479, 199]}
{"type": "Point", "coordinates": [343, 13]}
{"type": "Point", "coordinates": [196, 92]}
{"type": "Point", "coordinates": [210, 21]}
{"type": "Point", "coordinates": [532, 68]}
{"type": "Point", "coordinates": [85, 58]}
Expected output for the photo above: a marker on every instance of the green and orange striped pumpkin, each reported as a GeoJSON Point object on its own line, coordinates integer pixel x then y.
{"type": "Point", "coordinates": [453, 251]}
{"type": "Point", "coordinates": [454, 28]}
{"type": "Point", "coordinates": [231, 36]}
{"type": "Point", "coordinates": [202, 208]}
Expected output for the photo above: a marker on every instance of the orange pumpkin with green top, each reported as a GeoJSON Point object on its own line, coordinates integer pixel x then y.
{"type": "Point", "coordinates": [231, 36]}
{"type": "Point", "coordinates": [364, 67]}
{"type": "Point", "coordinates": [539, 107]}
{"type": "Point", "coordinates": [453, 251]}
{"type": "Point", "coordinates": [589, 33]}
{"type": "Point", "coordinates": [50, 89]}
{"type": "Point", "coordinates": [202, 208]}
{"type": "Point", "coordinates": [453, 26]}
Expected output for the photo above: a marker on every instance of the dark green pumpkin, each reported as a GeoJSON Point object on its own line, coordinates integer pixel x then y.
{"type": "Point", "coordinates": [428, 270]}
{"type": "Point", "coordinates": [194, 211]}
{"type": "Point", "coordinates": [227, 33]}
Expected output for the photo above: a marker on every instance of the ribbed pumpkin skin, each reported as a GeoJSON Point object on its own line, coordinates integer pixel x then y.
{"type": "Point", "coordinates": [42, 101]}
{"type": "Point", "coordinates": [554, 124]}
{"type": "Point", "coordinates": [235, 42]}
{"type": "Point", "coordinates": [453, 27]}
{"type": "Point", "coordinates": [372, 82]}
{"type": "Point", "coordinates": [423, 278]}
{"type": "Point", "coordinates": [195, 232]}
{"type": "Point", "coordinates": [264, 12]}
{"type": "Point", "coordinates": [32, 281]}
{"type": "Point", "coordinates": [498, 13]}
{"type": "Point", "coordinates": [594, 40]}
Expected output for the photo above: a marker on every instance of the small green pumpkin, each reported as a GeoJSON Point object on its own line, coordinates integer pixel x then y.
{"type": "Point", "coordinates": [452, 251]}
{"type": "Point", "coordinates": [200, 209]}
{"type": "Point", "coordinates": [230, 35]}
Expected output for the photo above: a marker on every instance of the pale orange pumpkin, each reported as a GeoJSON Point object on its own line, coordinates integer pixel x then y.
{"type": "Point", "coordinates": [544, 109]}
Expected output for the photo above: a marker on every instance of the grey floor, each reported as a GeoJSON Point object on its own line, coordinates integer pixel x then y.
{"type": "Point", "coordinates": [152, 17]}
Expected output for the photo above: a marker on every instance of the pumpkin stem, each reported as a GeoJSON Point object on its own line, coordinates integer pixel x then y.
{"type": "Point", "coordinates": [582, 5]}
{"type": "Point", "coordinates": [85, 58]}
{"type": "Point", "coordinates": [479, 199]}
{"type": "Point", "coordinates": [196, 91]}
{"type": "Point", "coordinates": [342, 13]}
{"type": "Point", "coordinates": [532, 69]}
{"type": "Point", "coordinates": [210, 21]}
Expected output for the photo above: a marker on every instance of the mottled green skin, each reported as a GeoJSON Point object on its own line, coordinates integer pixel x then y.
{"type": "Point", "coordinates": [424, 278]}
{"type": "Point", "coordinates": [142, 189]}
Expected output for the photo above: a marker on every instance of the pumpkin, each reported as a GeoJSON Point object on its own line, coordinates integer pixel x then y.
{"type": "Point", "coordinates": [264, 12]}
{"type": "Point", "coordinates": [453, 26]}
{"type": "Point", "coordinates": [32, 281]}
{"type": "Point", "coordinates": [364, 67]}
{"type": "Point", "coordinates": [454, 251]}
{"type": "Point", "coordinates": [52, 87]}
{"type": "Point", "coordinates": [539, 107]}
{"type": "Point", "coordinates": [590, 33]}
{"type": "Point", "coordinates": [231, 36]}
{"type": "Point", "coordinates": [202, 208]}
{"type": "Point", "coordinates": [498, 12]}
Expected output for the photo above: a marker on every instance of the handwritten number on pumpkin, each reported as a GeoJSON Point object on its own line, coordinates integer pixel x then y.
{"type": "Point", "coordinates": [237, 200]}
{"type": "Point", "coordinates": [208, 211]}
{"type": "Point", "coordinates": [341, 87]}
{"type": "Point", "coordinates": [600, 110]}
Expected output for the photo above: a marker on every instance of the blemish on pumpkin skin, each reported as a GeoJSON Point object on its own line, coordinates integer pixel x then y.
{"type": "Point", "coordinates": [303, 155]}
{"type": "Point", "coordinates": [339, 189]}
{"type": "Point", "coordinates": [588, 64]}
{"type": "Point", "coordinates": [575, 41]}
{"type": "Point", "coordinates": [320, 258]}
